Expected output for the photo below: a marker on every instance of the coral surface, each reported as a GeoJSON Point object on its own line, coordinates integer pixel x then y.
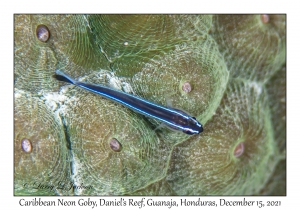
{"type": "Point", "coordinates": [226, 70]}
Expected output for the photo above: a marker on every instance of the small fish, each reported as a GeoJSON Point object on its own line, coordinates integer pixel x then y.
{"type": "Point", "coordinates": [174, 118]}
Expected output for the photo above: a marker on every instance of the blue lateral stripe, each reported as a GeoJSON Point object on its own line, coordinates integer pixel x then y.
{"type": "Point", "coordinates": [134, 108]}
{"type": "Point", "coordinates": [138, 98]}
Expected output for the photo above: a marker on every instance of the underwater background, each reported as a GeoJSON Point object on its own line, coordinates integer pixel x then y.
{"type": "Point", "coordinates": [226, 70]}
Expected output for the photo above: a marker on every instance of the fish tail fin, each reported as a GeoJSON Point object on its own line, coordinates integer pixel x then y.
{"type": "Point", "coordinates": [61, 76]}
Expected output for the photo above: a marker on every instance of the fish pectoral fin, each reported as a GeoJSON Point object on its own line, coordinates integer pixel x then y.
{"type": "Point", "coordinates": [169, 102]}
{"type": "Point", "coordinates": [164, 125]}
{"type": "Point", "coordinates": [161, 125]}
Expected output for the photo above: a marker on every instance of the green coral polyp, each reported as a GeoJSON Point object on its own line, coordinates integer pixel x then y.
{"type": "Point", "coordinates": [42, 33]}
{"type": "Point", "coordinates": [141, 160]}
{"type": "Point", "coordinates": [255, 50]}
{"type": "Point", "coordinates": [203, 67]}
{"type": "Point", "coordinates": [47, 162]}
{"type": "Point", "coordinates": [115, 145]}
{"type": "Point", "coordinates": [26, 145]}
{"type": "Point", "coordinates": [214, 170]}
{"type": "Point", "coordinates": [186, 87]}
{"type": "Point", "coordinates": [238, 149]}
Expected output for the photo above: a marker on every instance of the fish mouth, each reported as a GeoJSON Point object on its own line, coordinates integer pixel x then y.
{"type": "Point", "coordinates": [200, 130]}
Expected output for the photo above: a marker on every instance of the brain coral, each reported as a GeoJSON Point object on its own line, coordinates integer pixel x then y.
{"type": "Point", "coordinates": [226, 70]}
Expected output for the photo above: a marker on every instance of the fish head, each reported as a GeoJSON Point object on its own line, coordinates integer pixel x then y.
{"type": "Point", "coordinates": [193, 126]}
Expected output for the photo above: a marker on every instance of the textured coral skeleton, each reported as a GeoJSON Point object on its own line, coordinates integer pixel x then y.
{"type": "Point", "coordinates": [226, 70]}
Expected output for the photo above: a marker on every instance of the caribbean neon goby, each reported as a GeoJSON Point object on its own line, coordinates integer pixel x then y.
{"type": "Point", "coordinates": [175, 119]}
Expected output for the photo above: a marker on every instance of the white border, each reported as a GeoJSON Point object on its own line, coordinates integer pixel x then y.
{"type": "Point", "coordinates": [153, 6]}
